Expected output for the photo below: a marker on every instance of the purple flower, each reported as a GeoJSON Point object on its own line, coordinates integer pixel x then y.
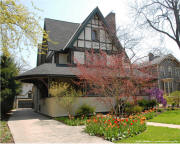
{"type": "Point", "coordinates": [158, 95]}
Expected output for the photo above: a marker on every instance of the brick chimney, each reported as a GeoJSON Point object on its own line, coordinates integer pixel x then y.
{"type": "Point", "coordinates": [151, 56]}
{"type": "Point", "coordinates": [111, 20]}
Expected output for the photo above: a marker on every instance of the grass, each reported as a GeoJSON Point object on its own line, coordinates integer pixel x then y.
{"type": "Point", "coordinates": [155, 135]}
{"type": "Point", "coordinates": [169, 117]}
{"type": "Point", "coordinates": [72, 122]}
{"type": "Point", "coordinates": [5, 133]}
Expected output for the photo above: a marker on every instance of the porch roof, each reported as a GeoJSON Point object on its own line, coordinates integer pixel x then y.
{"type": "Point", "coordinates": [49, 69]}
{"type": "Point", "coordinates": [52, 69]}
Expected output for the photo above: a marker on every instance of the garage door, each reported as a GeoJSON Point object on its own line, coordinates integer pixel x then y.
{"type": "Point", "coordinates": [24, 103]}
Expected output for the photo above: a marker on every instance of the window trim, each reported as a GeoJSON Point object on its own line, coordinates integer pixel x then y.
{"type": "Point", "coordinates": [95, 35]}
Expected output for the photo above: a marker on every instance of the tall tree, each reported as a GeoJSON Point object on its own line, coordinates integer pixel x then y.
{"type": "Point", "coordinates": [10, 87]}
{"type": "Point", "coordinates": [19, 27]}
{"type": "Point", "coordinates": [162, 16]}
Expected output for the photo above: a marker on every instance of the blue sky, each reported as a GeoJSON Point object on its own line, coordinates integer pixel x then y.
{"type": "Point", "coordinates": [78, 10]}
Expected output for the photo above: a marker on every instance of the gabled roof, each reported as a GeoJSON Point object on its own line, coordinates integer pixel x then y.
{"type": "Point", "coordinates": [59, 32]}
{"type": "Point", "coordinates": [158, 60]}
{"type": "Point", "coordinates": [85, 22]}
{"type": "Point", "coordinates": [65, 33]}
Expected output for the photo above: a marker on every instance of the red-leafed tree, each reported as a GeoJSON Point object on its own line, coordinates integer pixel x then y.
{"type": "Point", "coordinates": [113, 78]}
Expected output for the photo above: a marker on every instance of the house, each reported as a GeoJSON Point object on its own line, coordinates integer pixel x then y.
{"type": "Point", "coordinates": [168, 72]}
{"type": "Point", "coordinates": [56, 59]}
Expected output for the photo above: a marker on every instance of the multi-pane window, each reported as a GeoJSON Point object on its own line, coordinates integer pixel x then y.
{"type": "Point", "coordinates": [95, 35]}
{"type": "Point", "coordinates": [79, 57]}
{"type": "Point", "coordinates": [170, 70]}
{"type": "Point", "coordinates": [162, 70]}
{"type": "Point", "coordinates": [176, 71]}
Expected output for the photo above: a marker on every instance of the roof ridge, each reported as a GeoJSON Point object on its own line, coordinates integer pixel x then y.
{"type": "Point", "coordinates": [60, 20]}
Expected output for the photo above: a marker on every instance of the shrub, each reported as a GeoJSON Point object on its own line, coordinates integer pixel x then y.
{"type": "Point", "coordinates": [115, 129]}
{"type": "Point", "coordinates": [133, 109]}
{"type": "Point", "coordinates": [152, 103]}
{"type": "Point", "coordinates": [147, 104]}
{"type": "Point", "coordinates": [137, 109]}
{"type": "Point", "coordinates": [143, 103]}
{"type": "Point", "coordinates": [160, 110]}
{"type": "Point", "coordinates": [85, 110]}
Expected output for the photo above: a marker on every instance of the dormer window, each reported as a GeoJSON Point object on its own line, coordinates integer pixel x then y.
{"type": "Point", "coordinates": [95, 35]}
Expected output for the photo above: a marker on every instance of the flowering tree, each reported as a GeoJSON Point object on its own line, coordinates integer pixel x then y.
{"type": "Point", "coordinates": [65, 94]}
{"type": "Point", "coordinates": [158, 95]}
{"type": "Point", "coordinates": [112, 78]}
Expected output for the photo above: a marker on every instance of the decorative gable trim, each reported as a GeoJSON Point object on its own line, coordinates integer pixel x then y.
{"type": "Point", "coordinates": [171, 57]}
{"type": "Point", "coordinates": [83, 25]}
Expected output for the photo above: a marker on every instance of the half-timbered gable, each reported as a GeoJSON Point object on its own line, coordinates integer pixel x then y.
{"type": "Point", "coordinates": [94, 35]}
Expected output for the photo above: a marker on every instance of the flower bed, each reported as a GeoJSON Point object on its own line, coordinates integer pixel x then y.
{"type": "Point", "coordinates": [115, 129]}
{"type": "Point", "coordinates": [149, 114]}
{"type": "Point", "coordinates": [73, 121]}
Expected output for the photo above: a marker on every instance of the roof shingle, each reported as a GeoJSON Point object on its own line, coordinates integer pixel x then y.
{"type": "Point", "coordinates": [60, 32]}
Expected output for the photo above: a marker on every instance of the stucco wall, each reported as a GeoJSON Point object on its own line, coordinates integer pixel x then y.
{"type": "Point", "coordinates": [51, 107]}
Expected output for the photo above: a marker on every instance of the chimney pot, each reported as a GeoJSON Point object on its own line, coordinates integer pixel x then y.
{"type": "Point", "coordinates": [151, 56]}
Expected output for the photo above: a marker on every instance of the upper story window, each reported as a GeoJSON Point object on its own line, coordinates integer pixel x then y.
{"type": "Point", "coordinates": [176, 71]}
{"type": "Point", "coordinates": [95, 35]}
{"type": "Point", "coordinates": [62, 58]}
{"type": "Point", "coordinates": [162, 70]}
{"type": "Point", "coordinates": [78, 57]}
{"type": "Point", "coordinates": [169, 70]}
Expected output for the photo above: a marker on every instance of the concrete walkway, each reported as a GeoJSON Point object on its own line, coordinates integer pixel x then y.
{"type": "Point", "coordinates": [29, 127]}
{"type": "Point", "coordinates": [163, 125]}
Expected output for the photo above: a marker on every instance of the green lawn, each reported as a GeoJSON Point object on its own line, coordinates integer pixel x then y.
{"type": "Point", "coordinates": [169, 117]}
{"type": "Point", "coordinates": [155, 135]}
{"type": "Point", "coordinates": [5, 134]}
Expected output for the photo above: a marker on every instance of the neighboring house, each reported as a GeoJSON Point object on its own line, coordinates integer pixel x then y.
{"type": "Point", "coordinates": [69, 41]}
{"type": "Point", "coordinates": [24, 99]}
{"type": "Point", "coordinates": [168, 72]}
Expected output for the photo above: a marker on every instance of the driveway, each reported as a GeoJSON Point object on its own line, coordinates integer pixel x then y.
{"type": "Point", "coordinates": [29, 127]}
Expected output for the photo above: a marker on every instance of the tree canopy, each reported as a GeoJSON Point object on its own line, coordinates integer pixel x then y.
{"type": "Point", "coordinates": [10, 87]}
{"type": "Point", "coordinates": [162, 16]}
{"type": "Point", "coordinates": [19, 27]}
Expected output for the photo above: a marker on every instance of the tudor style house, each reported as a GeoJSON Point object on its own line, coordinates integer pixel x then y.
{"type": "Point", "coordinates": [168, 72]}
{"type": "Point", "coordinates": [57, 57]}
